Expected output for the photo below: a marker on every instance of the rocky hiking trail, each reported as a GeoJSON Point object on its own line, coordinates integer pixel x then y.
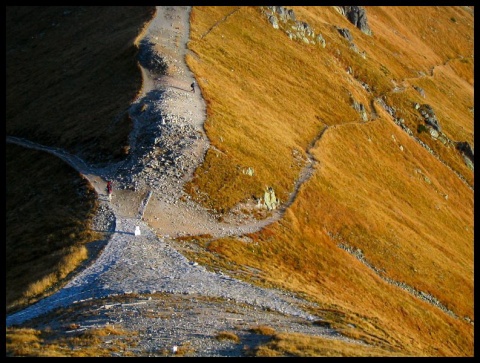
{"type": "Point", "coordinates": [175, 301]}
{"type": "Point", "coordinates": [167, 299]}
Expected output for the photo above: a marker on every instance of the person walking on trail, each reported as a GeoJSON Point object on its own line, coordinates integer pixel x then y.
{"type": "Point", "coordinates": [109, 190]}
{"type": "Point", "coordinates": [193, 86]}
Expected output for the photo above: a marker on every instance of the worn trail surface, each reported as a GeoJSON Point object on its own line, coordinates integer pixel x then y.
{"type": "Point", "coordinates": [177, 301]}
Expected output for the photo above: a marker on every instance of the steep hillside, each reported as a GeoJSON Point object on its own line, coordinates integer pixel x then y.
{"type": "Point", "coordinates": [380, 235]}
{"type": "Point", "coordinates": [400, 204]}
{"type": "Point", "coordinates": [59, 85]}
{"type": "Point", "coordinates": [70, 78]}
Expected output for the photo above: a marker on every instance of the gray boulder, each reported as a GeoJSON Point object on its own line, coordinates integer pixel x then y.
{"type": "Point", "coordinates": [433, 122]}
{"type": "Point", "coordinates": [291, 14]}
{"type": "Point", "coordinates": [273, 20]}
{"type": "Point", "coordinates": [465, 148]}
{"type": "Point", "coordinates": [345, 33]}
{"type": "Point", "coordinates": [429, 116]}
{"type": "Point", "coordinates": [357, 15]}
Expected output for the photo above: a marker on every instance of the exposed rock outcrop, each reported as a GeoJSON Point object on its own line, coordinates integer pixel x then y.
{"type": "Point", "coordinates": [467, 153]}
{"type": "Point", "coordinates": [360, 108]}
{"type": "Point", "coordinates": [420, 90]}
{"type": "Point", "coordinates": [357, 15]}
{"type": "Point", "coordinates": [285, 20]}
{"type": "Point", "coordinates": [345, 33]}
{"type": "Point", "coordinates": [269, 200]}
{"type": "Point", "coordinates": [429, 116]}
{"type": "Point", "coordinates": [441, 137]}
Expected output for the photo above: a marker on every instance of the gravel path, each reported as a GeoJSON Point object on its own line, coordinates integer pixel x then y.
{"type": "Point", "coordinates": [204, 302]}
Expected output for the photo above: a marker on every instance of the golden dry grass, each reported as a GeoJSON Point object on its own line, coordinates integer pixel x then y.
{"type": "Point", "coordinates": [251, 120]}
{"type": "Point", "coordinates": [297, 345]}
{"type": "Point", "coordinates": [269, 98]}
{"type": "Point", "coordinates": [410, 215]}
{"type": "Point", "coordinates": [25, 342]}
{"type": "Point", "coordinates": [263, 330]}
{"type": "Point", "coordinates": [227, 335]}
{"type": "Point", "coordinates": [49, 211]}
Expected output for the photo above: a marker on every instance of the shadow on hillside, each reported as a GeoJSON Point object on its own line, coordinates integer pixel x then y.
{"type": "Point", "coordinates": [246, 347]}
{"type": "Point", "coordinates": [150, 59]}
{"type": "Point", "coordinates": [151, 96]}
{"type": "Point", "coordinates": [118, 232]}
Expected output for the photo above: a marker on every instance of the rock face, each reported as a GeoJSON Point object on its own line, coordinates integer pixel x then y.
{"type": "Point", "coordinates": [358, 17]}
{"type": "Point", "coordinates": [465, 148]}
{"type": "Point", "coordinates": [344, 32]}
{"type": "Point", "coordinates": [467, 152]}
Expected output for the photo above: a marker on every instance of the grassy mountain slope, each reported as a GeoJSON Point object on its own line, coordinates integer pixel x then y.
{"type": "Point", "coordinates": [374, 189]}
{"type": "Point", "coordinates": [380, 221]}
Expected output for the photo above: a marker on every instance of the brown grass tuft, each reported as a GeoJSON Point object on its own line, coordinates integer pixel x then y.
{"type": "Point", "coordinates": [225, 335]}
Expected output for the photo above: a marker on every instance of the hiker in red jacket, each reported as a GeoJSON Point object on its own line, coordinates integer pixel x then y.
{"type": "Point", "coordinates": [109, 189]}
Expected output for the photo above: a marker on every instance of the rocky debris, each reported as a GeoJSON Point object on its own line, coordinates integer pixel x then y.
{"type": "Point", "coordinates": [104, 220]}
{"type": "Point", "coordinates": [465, 148]}
{"type": "Point", "coordinates": [163, 321]}
{"type": "Point", "coordinates": [390, 109]}
{"type": "Point", "coordinates": [347, 35]}
{"type": "Point", "coordinates": [285, 19]}
{"type": "Point", "coordinates": [432, 126]}
{"type": "Point", "coordinates": [358, 254]}
{"type": "Point", "coordinates": [429, 116]}
{"type": "Point", "coordinates": [360, 108]}
{"type": "Point", "coordinates": [147, 264]}
{"type": "Point", "coordinates": [162, 156]}
{"type": "Point", "coordinates": [165, 147]}
{"type": "Point", "coordinates": [399, 121]}
{"type": "Point", "coordinates": [366, 86]}
{"type": "Point", "coordinates": [434, 133]}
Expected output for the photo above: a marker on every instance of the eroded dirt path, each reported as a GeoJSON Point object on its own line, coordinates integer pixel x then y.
{"type": "Point", "coordinates": [147, 263]}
